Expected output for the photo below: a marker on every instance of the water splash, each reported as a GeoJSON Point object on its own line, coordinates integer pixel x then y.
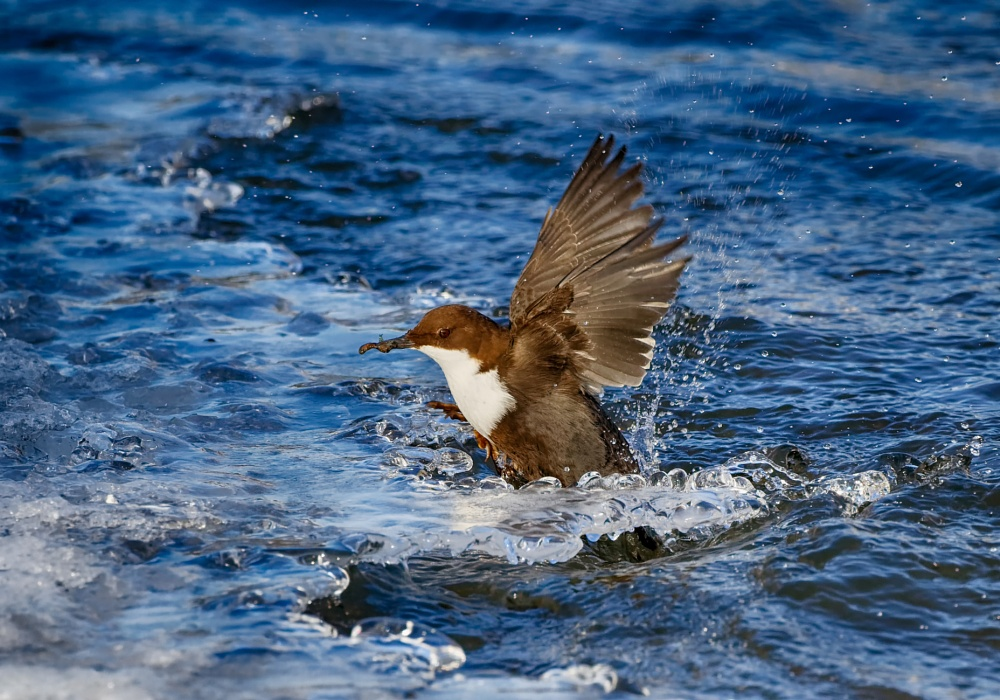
{"type": "Point", "coordinates": [543, 522]}
{"type": "Point", "coordinates": [854, 491]}
{"type": "Point", "coordinates": [405, 646]}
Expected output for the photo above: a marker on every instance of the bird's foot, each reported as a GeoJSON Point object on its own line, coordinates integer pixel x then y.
{"type": "Point", "coordinates": [451, 410]}
{"type": "Point", "coordinates": [485, 444]}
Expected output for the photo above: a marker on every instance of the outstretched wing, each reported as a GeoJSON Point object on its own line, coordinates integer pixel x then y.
{"type": "Point", "coordinates": [595, 277]}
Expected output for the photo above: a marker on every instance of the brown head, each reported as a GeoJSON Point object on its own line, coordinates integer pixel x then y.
{"type": "Point", "coordinates": [452, 327]}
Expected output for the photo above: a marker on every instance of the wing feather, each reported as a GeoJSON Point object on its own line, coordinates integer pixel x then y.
{"type": "Point", "coordinates": [595, 278]}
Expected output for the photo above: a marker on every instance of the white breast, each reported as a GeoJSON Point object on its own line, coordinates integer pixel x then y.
{"type": "Point", "coordinates": [481, 396]}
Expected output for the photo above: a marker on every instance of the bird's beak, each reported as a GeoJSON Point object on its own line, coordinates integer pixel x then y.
{"type": "Point", "coordinates": [400, 343]}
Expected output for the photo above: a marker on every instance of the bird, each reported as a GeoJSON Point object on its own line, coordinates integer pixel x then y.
{"type": "Point", "coordinates": [581, 318]}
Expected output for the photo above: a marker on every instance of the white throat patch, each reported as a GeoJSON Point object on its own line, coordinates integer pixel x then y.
{"type": "Point", "coordinates": [481, 396]}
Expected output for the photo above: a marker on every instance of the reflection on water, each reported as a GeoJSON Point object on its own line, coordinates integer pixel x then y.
{"type": "Point", "coordinates": [205, 210]}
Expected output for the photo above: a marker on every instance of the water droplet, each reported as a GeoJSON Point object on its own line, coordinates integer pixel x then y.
{"type": "Point", "coordinates": [944, 78]}
{"type": "Point", "coordinates": [976, 445]}
{"type": "Point", "coordinates": [958, 184]}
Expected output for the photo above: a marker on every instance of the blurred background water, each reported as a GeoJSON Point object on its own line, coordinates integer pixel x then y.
{"type": "Point", "coordinates": [205, 208]}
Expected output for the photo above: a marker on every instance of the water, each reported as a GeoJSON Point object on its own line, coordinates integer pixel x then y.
{"type": "Point", "coordinates": [204, 491]}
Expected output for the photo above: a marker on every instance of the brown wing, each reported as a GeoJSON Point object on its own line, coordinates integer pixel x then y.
{"type": "Point", "coordinates": [595, 276]}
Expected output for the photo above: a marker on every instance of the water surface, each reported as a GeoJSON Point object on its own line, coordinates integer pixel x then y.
{"type": "Point", "coordinates": [206, 208]}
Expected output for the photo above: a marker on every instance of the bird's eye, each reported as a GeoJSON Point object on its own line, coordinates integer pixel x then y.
{"type": "Point", "coordinates": [444, 332]}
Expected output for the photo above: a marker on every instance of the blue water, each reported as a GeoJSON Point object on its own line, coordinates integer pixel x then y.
{"type": "Point", "coordinates": [205, 492]}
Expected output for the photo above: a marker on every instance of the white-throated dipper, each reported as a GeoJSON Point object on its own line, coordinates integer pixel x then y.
{"type": "Point", "coordinates": [581, 318]}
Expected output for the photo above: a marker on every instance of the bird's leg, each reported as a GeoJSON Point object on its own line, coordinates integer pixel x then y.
{"type": "Point", "coordinates": [451, 410]}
